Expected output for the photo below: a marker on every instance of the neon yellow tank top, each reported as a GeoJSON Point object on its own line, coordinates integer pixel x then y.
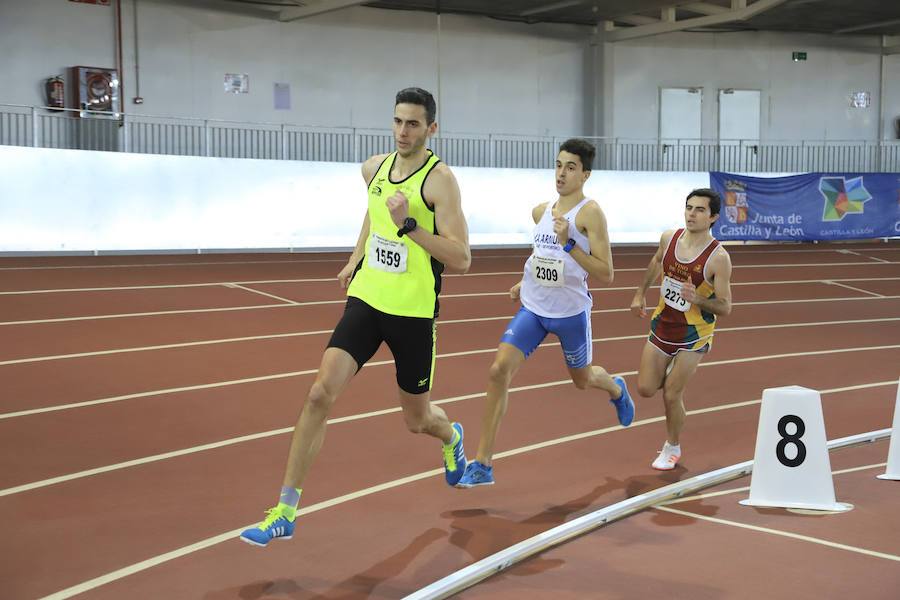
{"type": "Point", "coordinates": [396, 275]}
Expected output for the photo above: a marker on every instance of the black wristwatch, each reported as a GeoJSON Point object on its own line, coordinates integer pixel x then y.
{"type": "Point", "coordinates": [408, 225]}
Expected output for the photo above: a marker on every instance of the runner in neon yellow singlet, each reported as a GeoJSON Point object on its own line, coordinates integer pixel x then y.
{"type": "Point", "coordinates": [414, 227]}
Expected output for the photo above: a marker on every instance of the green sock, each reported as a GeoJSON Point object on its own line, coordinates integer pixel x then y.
{"type": "Point", "coordinates": [288, 501]}
{"type": "Point", "coordinates": [455, 437]}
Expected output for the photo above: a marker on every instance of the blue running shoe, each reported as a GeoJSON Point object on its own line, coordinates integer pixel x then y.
{"type": "Point", "coordinates": [624, 404]}
{"type": "Point", "coordinates": [454, 457]}
{"type": "Point", "coordinates": [277, 526]}
{"type": "Point", "coordinates": [476, 474]}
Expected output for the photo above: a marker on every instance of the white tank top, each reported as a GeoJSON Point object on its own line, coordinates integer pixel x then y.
{"type": "Point", "coordinates": [554, 285]}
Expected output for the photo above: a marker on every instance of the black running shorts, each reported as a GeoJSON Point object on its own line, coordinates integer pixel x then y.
{"type": "Point", "coordinates": [411, 340]}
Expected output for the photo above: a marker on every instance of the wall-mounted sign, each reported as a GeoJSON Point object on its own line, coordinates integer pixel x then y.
{"type": "Point", "coordinates": [798, 56]}
{"type": "Point", "coordinates": [282, 96]}
{"type": "Point", "coordinates": [860, 99]}
{"type": "Point", "coordinates": [237, 83]}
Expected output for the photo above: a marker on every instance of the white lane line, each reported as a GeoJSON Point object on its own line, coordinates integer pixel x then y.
{"type": "Point", "coordinates": [241, 287]}
{"type": "Point", "coordinates": [855, 253]}
{"type": "Point", "coordinates": [161, 392]}
{"type": "Point", "coordinates": [849, 299]}
{"type": "Point", "coordinates": [324, 302]}
{"type": "Point", "coordinates": [749, 303]}
{"type": "Point", "coordinates": [787, 534]}
{"type": "Point", "coordinates": [251, 338]}
{"type": "Point", "coordinates": [846, 264]}
{"type": "Point", "coordinates": [747, 487]}
{"type": "Point", "coordinates": [255, 338]}
{"type": "Point", "coordinates": [166, 286]}
{"type": "Point", "coordinates": [855, 289]}
{"type": "Point", "coordinates": [862, 468]}
{"type": "Point", "coordinates": [230, 535]}
{"type": "Point", "coordinates": [158, 312]}
{"type": "Point", "coordinates": [759, 266]}
{"type": "Point", "coordinates": [733, 284]}
{"type": "Point", "coordinates": [285, 430]}
{"type": "Point", "coordinates": [291, 263]}
{"type": "Point", "coordinates": [334, 281]}
{"type": "Point", "coordinates": [46, 409]}
{"type": "Point", "coordinates": [523, 253]}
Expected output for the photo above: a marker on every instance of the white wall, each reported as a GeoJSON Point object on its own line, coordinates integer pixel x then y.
{"type": "Point", "coordinates": [891, 96]}
{"type": "Point", "coordinates": [800, 100]}
{"type": "Point", "coordinates": [490, 76]}
{"type": "Point", "coordinates": [41, 38]}
{"type": "Point", "coordinates": [343, 67]}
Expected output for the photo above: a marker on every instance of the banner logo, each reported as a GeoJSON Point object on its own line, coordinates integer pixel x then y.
{"type": "Point", "coordinates": [736, 202]}
{"type": "Point", "coordinates": [842, 196]}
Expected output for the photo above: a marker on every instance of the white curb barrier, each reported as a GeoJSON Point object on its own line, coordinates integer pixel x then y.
{"type": "Point", "coordinates": [893, 461]}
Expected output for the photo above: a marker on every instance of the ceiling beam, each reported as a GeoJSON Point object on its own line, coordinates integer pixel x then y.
{"type": "Point", "coordinates": [872, 25]}
{"type": "Point", "coordinates": [229, 6]}
{"type": "Point", "coordinates": [704, 8]}
{"type": "Point", "coordinates": [315, 7]}
{"type": "Point", "coordinates": [637, 20]}
{"type": "Point", "coordinates": [890, 44]}
{"type": "Point", "coordinates": [550, 7]}
{"type": "Point", "coordinates": [729, 16]}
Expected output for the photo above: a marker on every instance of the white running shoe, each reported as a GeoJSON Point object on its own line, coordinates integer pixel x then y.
{"type": "Point", "coordinates": [668, 458]}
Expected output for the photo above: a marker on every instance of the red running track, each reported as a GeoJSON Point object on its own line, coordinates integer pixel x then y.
{"type": "Point", "coordinates": [142, 428]}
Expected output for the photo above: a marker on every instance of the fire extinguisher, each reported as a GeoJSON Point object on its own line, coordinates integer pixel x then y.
{"type": "Point", "coordinates": [55, 89]}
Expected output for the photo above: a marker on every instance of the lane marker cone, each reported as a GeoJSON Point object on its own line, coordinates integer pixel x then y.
{"type": "Point", "coordinates": [791, 467]}
{"type": "Point", "coordinates": [893, 461]}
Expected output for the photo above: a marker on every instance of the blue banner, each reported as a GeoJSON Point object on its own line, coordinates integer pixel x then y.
{"type": "Point", "coordinates": [813, 206]}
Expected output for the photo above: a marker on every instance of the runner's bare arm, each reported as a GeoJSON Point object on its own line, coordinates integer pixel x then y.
{"type": "Point", "coordinates": [369, 168]}
{"type": "Point", "coordinates": [357, 254]}
{"type": "Point", "coordinates": [599, 263]}
{"type": "Point", "coordinates": [536, 213]}
{"type": "Point", "coordinates": [719, 268]}
{"type": "Point", "coordinates": [451, 245]}
{"type": "Point", "coordinates": [654, 269]}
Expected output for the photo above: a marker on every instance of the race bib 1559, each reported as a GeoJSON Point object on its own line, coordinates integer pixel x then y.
{"type": "Point", "coordinates": [387, 255]}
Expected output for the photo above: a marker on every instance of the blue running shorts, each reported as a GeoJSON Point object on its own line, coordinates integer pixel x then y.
{"type": "Point", "coordinates": [527, 330]}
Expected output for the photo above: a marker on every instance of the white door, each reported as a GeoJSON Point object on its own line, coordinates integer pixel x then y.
{"type": "Point", "coordinates": [680, 115]}
{"type": "Point", "coordinates": [739, 112]}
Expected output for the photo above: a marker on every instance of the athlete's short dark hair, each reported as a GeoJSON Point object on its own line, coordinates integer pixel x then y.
{"type": "Point", "coordinates": [715, 201]}
{"type": "Point", "coordinates": [415, 95]}
{"type": "Point", "coordinates": [583, 148]}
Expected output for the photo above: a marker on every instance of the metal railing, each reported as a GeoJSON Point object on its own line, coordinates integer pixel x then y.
{"type": "Point", "coordinates": [47, 128]}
